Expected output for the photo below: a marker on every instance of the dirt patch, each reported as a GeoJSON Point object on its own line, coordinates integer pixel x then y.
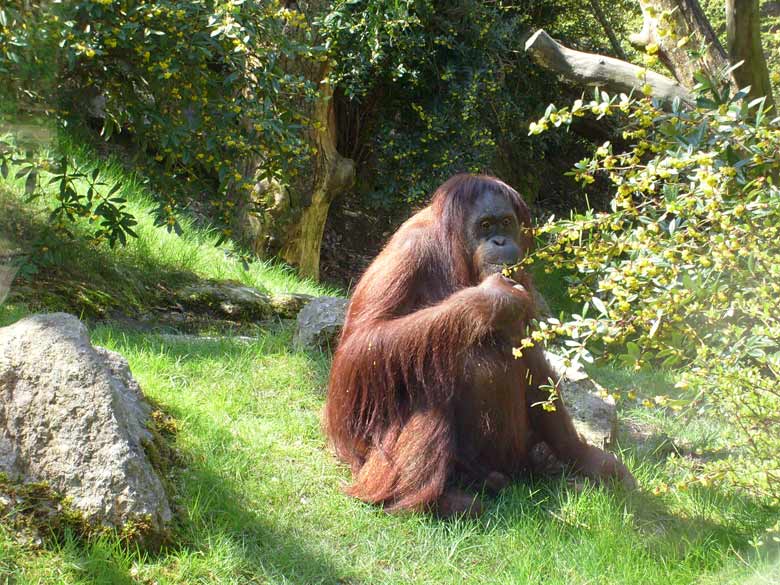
{"type": "Point", "coordinates": [353, 237]}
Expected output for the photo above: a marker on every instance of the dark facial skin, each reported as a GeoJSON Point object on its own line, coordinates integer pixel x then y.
{"type": "Point", "coordinates": [494, 234]}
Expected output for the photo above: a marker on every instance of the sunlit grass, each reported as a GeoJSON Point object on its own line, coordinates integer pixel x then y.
{"type": "Point", "coordinates": [259, 496]}
{"type": "Point", "coordinates": [260, 499]}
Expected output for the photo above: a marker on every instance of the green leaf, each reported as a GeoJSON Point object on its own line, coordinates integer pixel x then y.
{"type": "Point", "coordinates": [599, 304]}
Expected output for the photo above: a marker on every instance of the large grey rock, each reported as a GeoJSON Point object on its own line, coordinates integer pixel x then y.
{"type": "Point", "coordinates": [592, 410]}
{"type": "Point", "coordinates": [320, 322]}
{"type": "Point", "coordinates": [72, 416]}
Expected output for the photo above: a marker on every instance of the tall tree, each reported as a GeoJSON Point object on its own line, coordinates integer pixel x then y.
{"type": "Point", "coordinates": [744, 41]}
{"type": "Point", "coordinates": [288, 221]}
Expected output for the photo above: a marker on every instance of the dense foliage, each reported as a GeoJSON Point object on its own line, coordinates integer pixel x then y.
{"type": "Point", "coordinates": [683, 270]}
{"type": "Point", "coordinates": [204, 91]}
{"type": "Point", "coordinates": [201, 84]}
{"type": "Point", "coordinates": [25, 44]}
{"type": "Point", "coordinates": [433, 88]}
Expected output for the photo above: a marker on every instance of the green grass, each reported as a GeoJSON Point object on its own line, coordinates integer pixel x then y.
{"type": "Point", "coordinates": [261, 502]}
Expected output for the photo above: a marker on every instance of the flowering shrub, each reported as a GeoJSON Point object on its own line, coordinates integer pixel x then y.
{"type": "Point", "coordinates": [25, 50]}
{"type": "Point", "coordinates": [683, 270]}
{"type": "Point", "coordinates": [201, 85]}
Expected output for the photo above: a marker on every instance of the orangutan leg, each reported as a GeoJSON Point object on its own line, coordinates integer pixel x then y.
{"type": "Point", "coordinates": [409, 468]}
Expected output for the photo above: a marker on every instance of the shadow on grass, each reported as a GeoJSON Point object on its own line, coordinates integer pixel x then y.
{"type": "Point", "coordinates": [218, 530]}
{"type": "Point", "coordinates": [222, 532]}
{"type": "Point", "coordinates": [212, 516]}
{"type": "Point", "coordinates": [635, 527]}
{"type": "Point", "coordinates": [275, 336]}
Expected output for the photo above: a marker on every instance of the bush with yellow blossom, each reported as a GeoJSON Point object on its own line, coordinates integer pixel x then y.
{"type": "Point", "coordinates": [200, 86]}
{"type": "Point", "coordinates": [682, 271]}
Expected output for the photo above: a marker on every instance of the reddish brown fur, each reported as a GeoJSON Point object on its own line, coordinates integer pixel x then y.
{"type": "Point", "coordinates": [423, 389]}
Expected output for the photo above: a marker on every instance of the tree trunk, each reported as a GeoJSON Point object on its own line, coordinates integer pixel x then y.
{"type": "Point", "coordinates": [677, 27]}
{"type": "Point", "coordinates": [288, 222]}
{"type": "Point", "coordinates": [744, 40]}
{"type": "Point", "coordinates": [598, 12]}
{"type": "Point", "coordinates": [613, 75]}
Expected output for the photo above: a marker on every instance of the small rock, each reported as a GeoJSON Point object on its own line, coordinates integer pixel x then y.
{"type": "Point", "coordinates": [594, 416]}
{"type": "Point", "coordinates": [73, 417]}
{"type": "Point", "coordinates": [320, 322]}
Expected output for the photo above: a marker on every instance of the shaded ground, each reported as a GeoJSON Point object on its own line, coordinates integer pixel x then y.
{"type": "Point", "coordinates": [352, 239]}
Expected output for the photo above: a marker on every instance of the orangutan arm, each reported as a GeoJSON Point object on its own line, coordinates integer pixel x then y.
{"type": "Point", "coordinates": [424, 351]}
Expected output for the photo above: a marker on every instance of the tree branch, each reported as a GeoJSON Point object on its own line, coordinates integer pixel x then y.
{"type": "Point", "coordinates": [613, 75]}
{"type": "Point", "coordinates": [598, 12]}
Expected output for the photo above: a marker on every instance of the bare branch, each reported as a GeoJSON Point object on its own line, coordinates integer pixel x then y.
{"type": "Point", "coordinates": [614, 75]}
{"type": "Point", "coordinates": [598, 12]}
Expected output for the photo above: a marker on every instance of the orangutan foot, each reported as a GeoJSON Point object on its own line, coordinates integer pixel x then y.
{"type": "Point", "coordinates": [455, 502]}
{"type": "Point", "coordinates": [495, 481]}
{"type": "Point", "coordinates": [543, 461]}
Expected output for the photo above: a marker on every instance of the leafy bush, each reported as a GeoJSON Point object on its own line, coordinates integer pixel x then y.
{"type": "Point", "coordinates": [26, 47]}
{"type": "Point", "coordinates": [201, 85]}
{"type": "Point", "coordinates": [683, 270]}
{"type": "Point", "coordinates": [434, 88]}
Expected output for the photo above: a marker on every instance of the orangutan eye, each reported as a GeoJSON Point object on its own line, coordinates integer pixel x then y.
{"type": "Point", "coordinates": [484, 224]}
{"type": "Point", "coordinates": [506, 221]}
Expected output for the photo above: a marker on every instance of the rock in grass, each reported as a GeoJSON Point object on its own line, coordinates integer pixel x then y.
{"type": "Point", "coordinates": [73, 418]}
{"type": "Point", "coordinates": [320, 322]}
{"type": "Point", "coordinates": [594, 414]}
{"type": "Point", "coordinates": [239, 301]}
{"type": "Point", "coordinates": [231, 299]}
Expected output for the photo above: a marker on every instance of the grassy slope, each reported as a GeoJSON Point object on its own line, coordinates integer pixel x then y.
{"type": "Point", "coordinates": [261, 499]}
{"type": "Point", "coordinates": [94, 280]}
{"type": "Point", "coordinates": [260, 495]}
